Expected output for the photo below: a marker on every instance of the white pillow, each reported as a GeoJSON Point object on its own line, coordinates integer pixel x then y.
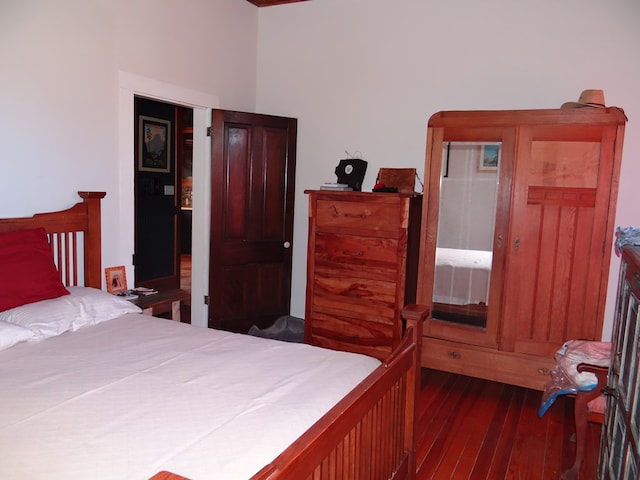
{"type": "Point", "coordinates": [11, 334]}
{"type": "Point", "coordinates": [98, 306]}
{"type": "Point", "coordinates": [84, 306]}
{"type": "Point", "coordinates": [46, 318]}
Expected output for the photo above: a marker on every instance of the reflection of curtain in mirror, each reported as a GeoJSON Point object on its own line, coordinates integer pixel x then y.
{"type": "Point", "coordinates": [466, 224]}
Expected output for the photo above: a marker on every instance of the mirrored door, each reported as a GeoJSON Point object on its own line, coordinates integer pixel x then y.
{"type": "Point", "coordinates": [466, 224]}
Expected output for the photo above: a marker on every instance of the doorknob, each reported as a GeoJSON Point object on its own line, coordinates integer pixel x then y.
{"type": "Point", "coordinates": [286, 244]}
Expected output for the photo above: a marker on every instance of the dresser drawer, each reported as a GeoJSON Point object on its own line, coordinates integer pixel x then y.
{"type": "Point", "coordinates": [358, 216]}
{"type": "Point", "coordinates": [355, 297]}
{"type": "Point", "coordinates": [366, 255]}
{"type": "Point", "coordinates": [353, 335]}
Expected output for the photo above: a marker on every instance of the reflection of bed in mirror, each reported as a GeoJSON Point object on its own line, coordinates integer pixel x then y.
{"type": "Point", "coordinates": [461, 284]}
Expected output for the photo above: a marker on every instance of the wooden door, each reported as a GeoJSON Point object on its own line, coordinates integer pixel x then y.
{"type": "Point", "coordinates": [252, 196]}
{"type": "Point", "coordinates": [559, 243]}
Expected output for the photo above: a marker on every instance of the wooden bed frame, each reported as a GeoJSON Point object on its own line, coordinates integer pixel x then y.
{"type": "Point", "coordinates": [71, 230]}
{"type": "Point", "coordinates": [369, 434]}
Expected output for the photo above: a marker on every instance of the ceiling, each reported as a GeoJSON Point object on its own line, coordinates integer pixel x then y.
{"type": "Point", "coordinates": [267, 3]}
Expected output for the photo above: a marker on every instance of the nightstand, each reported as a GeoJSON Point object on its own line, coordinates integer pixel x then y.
{"type": "Point", "coordinates": [162, 302]}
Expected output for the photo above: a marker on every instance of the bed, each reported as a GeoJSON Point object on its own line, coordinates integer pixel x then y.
{"type": "Point", "coordinates": [92, 388]}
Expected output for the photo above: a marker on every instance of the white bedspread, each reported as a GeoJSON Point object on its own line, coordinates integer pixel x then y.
{"type": "Point", "coordinates": [136, 395]}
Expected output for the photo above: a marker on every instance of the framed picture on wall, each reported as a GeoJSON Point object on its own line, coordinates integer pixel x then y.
{"type": "Point", "coordinates": [154, 144]}
{"type": "Point", "coordinates": [489, 157]}
{"type": "Point", "coordinates": [116, 279]}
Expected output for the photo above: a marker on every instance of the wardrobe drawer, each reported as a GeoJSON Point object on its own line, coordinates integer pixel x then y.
{"type": "Point", "coordinates": [528, 371]}
{"type": "Point", "coordinates": [358, 216]}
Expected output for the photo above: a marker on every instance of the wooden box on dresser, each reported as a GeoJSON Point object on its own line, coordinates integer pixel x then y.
{"type": "Point", "coordinates": [537, 244]}
{"type": "Point", "coordinates": [361, 268]}
{"type": "Point", "coordinates": [621, 428]}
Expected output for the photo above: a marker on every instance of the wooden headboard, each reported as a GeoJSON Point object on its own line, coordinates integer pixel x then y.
{"type": "Point", "coordinates": [72, 230]}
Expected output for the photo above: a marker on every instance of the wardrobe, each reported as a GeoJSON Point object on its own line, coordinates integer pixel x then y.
{"type": "Point", "coordinates": [516, 236]}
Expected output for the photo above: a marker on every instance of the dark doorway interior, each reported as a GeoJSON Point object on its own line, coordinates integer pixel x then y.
{"type": "Point", "coordinates": [163, 139]}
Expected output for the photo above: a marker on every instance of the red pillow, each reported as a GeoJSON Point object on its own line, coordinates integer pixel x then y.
{"type": "Point", "coordinates": [27, 271]}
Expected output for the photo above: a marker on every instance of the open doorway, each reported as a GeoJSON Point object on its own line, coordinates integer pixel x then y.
{"type": "Point", "coordinates": [132, 85]}
{"type": "Point", "coordinates": [163, 157]}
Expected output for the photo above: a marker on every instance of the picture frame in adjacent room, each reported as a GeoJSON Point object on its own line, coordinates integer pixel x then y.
{"type": "Point", "coordinates": [489, 157]}
{"type": "Point", "coordinates": [154, 144]}
{"type": "Point", "coordinates": [116, 278]}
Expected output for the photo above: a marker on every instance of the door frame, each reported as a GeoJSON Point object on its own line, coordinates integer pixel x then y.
{"type": "Point", "coordinates": [131, 85]}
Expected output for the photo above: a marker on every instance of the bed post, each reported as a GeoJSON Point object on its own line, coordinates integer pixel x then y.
{"type": "Point", "coordinates": [92, 239]}
{"type": "Point", "coordinates": [415, 315]}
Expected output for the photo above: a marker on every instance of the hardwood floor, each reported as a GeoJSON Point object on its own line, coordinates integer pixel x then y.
{"type": "Point", "coordinates": [481, 430]}
{"type": "Point", "coordinates": [185, 284]}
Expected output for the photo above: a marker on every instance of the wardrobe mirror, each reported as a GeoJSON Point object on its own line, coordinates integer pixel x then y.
{"type": "Point", "coordinates": [466, 224]}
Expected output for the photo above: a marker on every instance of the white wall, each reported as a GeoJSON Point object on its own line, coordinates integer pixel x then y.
{"type": "Point", "coordinates": [366, 75]}
{"type": "Point", "coordinates": [62, 64]}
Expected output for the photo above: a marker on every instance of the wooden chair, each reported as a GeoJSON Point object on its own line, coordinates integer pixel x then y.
{"type": "Point", "coordinates": [589, 407]}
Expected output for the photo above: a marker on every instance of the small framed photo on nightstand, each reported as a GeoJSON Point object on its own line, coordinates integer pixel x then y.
{"type": "Point", "coordinates": [116, 279]}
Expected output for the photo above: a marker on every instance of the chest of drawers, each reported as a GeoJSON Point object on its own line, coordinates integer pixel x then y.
{"type": "Point", "coordinates": [361, 268]}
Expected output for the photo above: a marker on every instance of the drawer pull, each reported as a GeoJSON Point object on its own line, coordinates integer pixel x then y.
{"type": "Point", "coordinates": [544, 371]}
{"type": "Point", "coordinates": [352, 254]}
{"type": "Point", "coordinates": [354, 215]}
{"type": "Point", "coordinates": [454, 355]}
